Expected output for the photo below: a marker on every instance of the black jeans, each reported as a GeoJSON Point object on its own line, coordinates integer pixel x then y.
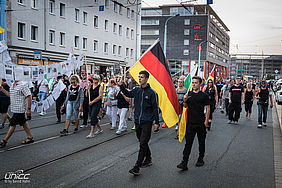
{"type": "Point", "coordinates": [248, 106]}
{"type": "Point", "coordinates": [143, 133]}
{"type": "Point", "coordinates": [234, 107]}
{"type": "Point", "coordinates": [59, 104]}
{"type": "Point", "coordinates": [85, 111]}
{"type": "Point", "coordinates": [262, 113]}
{"type": "Point", "coordinates": [191, 131]}
{"type": "Point", "coordinates": [227, 106]}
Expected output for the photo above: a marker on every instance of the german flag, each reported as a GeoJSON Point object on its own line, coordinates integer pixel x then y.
{"type": "Point", "coordinates": [153, 61]}
{"type": "Point", "coordinates": [182, 125]}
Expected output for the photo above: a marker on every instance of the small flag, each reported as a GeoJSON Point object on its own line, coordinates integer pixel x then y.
{"type": "Point", "coordinates": [244, 78]}
{"type": "Point", "coordinates": [212, 74]}
{"type": "Point", "coordinates": [188, 80]}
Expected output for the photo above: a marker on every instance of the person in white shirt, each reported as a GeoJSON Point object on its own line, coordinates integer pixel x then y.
{"type": "Point", "coordinates": [43, 92]}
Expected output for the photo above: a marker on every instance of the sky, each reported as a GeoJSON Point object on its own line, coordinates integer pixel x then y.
{"type": "Point", "coordinates": [255, 25]}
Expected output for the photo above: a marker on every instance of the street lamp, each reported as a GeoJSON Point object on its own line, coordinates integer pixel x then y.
{"type": "Point", "coordinates": [165, 31]}
{"type": "Point", "coordinates": [199, 61]}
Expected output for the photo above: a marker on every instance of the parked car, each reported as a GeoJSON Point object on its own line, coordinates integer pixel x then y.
{"type": "Point", "coordinates": [279, 97]}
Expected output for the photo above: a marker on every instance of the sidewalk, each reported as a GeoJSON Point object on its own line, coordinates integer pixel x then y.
{"type": "Point", "coordinates": [277, 130]}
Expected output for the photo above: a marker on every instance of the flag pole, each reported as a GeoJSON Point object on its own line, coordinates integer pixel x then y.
{"type": "Point", "coordinates": [72, 51]}
{"type": "Point", "coordinates": [88, 89]}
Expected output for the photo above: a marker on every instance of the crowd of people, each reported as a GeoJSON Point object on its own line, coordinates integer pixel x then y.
{"type": "Point", "coordinates": [91, 97]}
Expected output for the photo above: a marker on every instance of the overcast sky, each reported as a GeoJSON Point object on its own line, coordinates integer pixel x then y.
{"type": "Point", "coordinates": [255, 25]}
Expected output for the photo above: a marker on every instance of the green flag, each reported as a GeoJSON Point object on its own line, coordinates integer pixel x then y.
{"type": "Point", "coordinates": [188, 80]}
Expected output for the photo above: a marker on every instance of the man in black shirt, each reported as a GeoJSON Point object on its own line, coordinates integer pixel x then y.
{"type": "Point", "coordinates": [262, 95]}
{"type": "Point", "coordinates": [235, 96]}
{"type": "Point", "coordinates": [196, 101]}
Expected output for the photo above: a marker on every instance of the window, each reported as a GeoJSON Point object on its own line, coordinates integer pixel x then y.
{"type": "Point", "coordinates": [21, 30]}
{"type": "Point", "coordinates": [147, 41]}
{"type": "Point", "coordinates": [132, 33]}
{"type": "Point", "coordinates": [34, 3]}
{"type": "Point", "coordinates": [84, 17]}
{"type": "Point", "coordinates": [95, 21]}
{"type": "Point", "coordinates": [150, 32]}
{"type": "Point", "coordinates": [120, 30]}
{"type": "Point", "coordinates": [107, 3]}
{"type": "Point", "coordinates": [131, 53]}
{"type": "Point", "coordinates": [34, 33]}
{"type": "Point", "coordinates": [187, 22]}
{"type": "Point", "coordinates": [62, 39]}
{"type": "Point", "coordinates": [185, 52]}
{"type": "Point", "coordinates": [188, 10]}
{"type": "Point", "coordinates": [106, 25]}
{"type": "Point", "coordinates": [127, 32]}
{"type": "Point", "coordinates": [62, 9]}
{"type": "Point", "coordinates": [22, 2]}
{"type": "Point", "coordinates": [186, 42]}
{"type": "Point", "coordinates": [52, 6]}
{"type": "Point", "coordinates": [150, 22]}
{"type": "Point", "coordinates": [153, 12]}
{"type": "Point", "coordinates": [95, 1]}
{"type": "Point", "coordinates": [106, 47]}
{"type": "Point", "coordinates": [114, 49]}
{"type": "Point", "coordinates": [128, 13]}
{"type": "Point", "coordinates": [84, 43]}
{"type": "Point", "coordinates": [120, 9]}
{"type": "Point", "coordinates": [76, 41]}
{"type": "Point", "coordinates": [119, 50]}
{"type": "Point", "coordinates": [132, 14]}
{"type": "Point", "coordinates": [95, 46]}
{"type": "Point", "coordinates": [76, 14]}
{"type": "Point", "coordinates": [115, 7]}
{"type": "Point", "coordinates": [127, 52]}
{"type": "Point", "coordinates": [115, 28]}
{"type": "Point", "coordinates": [186, 31]}
{"type": "Point", "coordinates": [51, 37]}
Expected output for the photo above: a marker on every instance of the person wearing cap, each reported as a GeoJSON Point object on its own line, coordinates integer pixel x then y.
{"type": "Point", "coordinates": [263, 95]}
{"type": "Point", "coordinates": [236, 98]}
{"type": "Point", "coordinates": [19, 94]}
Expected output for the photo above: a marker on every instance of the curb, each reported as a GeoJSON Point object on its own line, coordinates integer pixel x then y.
{"type": "Point", "coordinates": [278, 111]}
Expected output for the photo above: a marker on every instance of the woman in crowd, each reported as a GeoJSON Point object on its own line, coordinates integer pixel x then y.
{"type": "Point", "coordinates": [112, 103]}
{"type": "Point", "coordinates": [211, 90]}
{"type": "Point", "coordinates": [73, 103]}
{"type": "Point", "coordinates": [95, 103]}
{"type": "Point", "coordinates": [249, 98]}
{"type": "Point", "coordinates": [4, 104]}
{"type": "Point", "coordinates": [123, 105]}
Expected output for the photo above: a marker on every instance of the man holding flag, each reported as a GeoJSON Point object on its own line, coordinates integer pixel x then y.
{"type": "Point", "coordinates": [146, 112]}
{"type": "Point", "coordinates": [196, 122]}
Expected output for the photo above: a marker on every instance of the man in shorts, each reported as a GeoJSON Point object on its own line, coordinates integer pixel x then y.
{"type": "Point", "coordinates": [19, 94]}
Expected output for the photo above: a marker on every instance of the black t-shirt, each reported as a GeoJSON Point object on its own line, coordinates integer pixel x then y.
{"type": "Point", "coordinates": [196, 105]}
{"type": "Point", "coordinates": [3, 97]}
{"type": "Point", "coordinates": [121, 102]}
{"type": "Point", "coordinates": [73, 93]}
{"type": "Point", "coordinates": [236, 93]}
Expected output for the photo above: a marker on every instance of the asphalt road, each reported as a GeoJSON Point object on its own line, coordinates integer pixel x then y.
{"type": "Point", "coordinates": [236, 156]}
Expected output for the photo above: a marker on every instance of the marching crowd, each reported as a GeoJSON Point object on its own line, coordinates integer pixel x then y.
{"type": "Point", "coordinates": [91, 98]}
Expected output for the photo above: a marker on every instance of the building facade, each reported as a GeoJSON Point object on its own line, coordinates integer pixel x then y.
{"type": "Point", "coordinates": [105, 31]}
{"type": "Point", "coordinates": [256, 66]}
{"type": "Point", "coordinates": [195, 25]}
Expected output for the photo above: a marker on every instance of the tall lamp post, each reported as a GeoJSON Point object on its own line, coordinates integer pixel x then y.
{"type": "Point", "coordinates": [165, 31]}
{"type": "Point", "coordinates": [199, 61]}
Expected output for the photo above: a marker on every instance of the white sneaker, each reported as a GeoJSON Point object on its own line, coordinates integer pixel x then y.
{"type": "Point", "coordinates": [264, 124]}
{"type": "Point", "coordinates": [41, 114]}
{"type": "Point", "coordinates": [229, 122]}
{"type": "Point", "coordinates": [259, 126]}
{"type": "Point", "coordinates": [118, 132]}
{"type": "Point", "coordinates": [98, 131]}
{"type": "Point", "coordinates": [90, 136]}
{"type": "Point", "coordinates": [82, 126]}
